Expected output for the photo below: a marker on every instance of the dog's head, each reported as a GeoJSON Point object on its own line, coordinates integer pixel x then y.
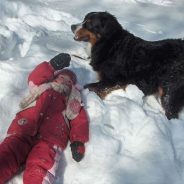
{"type": "Point", "coordinates": [96, 25]}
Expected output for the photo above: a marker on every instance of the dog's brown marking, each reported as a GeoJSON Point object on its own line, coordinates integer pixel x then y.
{"type": "Point", "coordinates": [83, 34]}
{"type": "Point", "coordinates": [160, 91]}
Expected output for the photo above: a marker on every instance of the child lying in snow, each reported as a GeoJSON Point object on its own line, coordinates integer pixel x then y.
{"type": "Point", "coordinates": [51, 114]}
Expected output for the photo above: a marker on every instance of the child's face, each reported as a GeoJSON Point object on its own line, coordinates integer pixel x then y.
{"type": "Point", "coordinates": [63, 79]}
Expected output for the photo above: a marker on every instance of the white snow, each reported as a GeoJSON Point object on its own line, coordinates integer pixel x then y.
{"type": "Point", "coordinates": [131, 140]}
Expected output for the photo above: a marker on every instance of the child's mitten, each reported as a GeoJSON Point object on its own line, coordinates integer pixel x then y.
{"type": "Point", "coordinates": [78, 150]}
{"type": "Point", "coordinates": [60, 61]}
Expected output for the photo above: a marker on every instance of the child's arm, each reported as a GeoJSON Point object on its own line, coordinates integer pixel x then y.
{"type": "Point", "coordinates": [80, 127]}
{"type": "Point", "coordinates": [79, 134]}
{"type": "Point", "coordinates": [44, 72]}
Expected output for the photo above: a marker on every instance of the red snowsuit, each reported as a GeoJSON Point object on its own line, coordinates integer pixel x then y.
{"type": "Point", "coordinates": [38, 135]}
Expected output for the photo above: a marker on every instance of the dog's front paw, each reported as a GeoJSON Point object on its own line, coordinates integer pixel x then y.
{"type": "Point", "coordinates": [91, 86]}
{"type": "Point", "coordinates": [103, 90]}
{"type": "Point", "coordinates": [171, 115]}
{"type": "Point", "coordinates": [97, 88]}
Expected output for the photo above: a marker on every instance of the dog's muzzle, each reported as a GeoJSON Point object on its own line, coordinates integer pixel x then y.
{"type": "Point", "coordinates": [83, 34]}
{"type": "Point", "coordinates": [73, 27]}
{"type": "Point", "coordinates": [79, 34]}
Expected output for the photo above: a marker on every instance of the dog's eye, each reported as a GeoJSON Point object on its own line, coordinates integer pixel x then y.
{"type": "Point", "coordinates": [88, 24]}
{"type": "Point", "coordinates": [88, 21]}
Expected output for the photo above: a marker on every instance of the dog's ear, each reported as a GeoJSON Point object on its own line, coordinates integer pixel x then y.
{"type": "Point", "coordinates": [110, 25]}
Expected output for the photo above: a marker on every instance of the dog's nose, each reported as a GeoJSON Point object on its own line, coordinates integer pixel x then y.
{"type": "Point", "coordinates": [73, 28]}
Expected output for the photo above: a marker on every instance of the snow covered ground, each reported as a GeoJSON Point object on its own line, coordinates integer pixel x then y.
{"type": "Point", "coordinates": [131, 141]}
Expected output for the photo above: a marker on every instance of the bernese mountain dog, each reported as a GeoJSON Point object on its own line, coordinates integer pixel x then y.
{"type": "Point", "coordinates": [121, 58]}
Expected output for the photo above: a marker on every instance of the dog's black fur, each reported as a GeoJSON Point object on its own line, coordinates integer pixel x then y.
{"type": "Point", "coordinates": [121, 58]}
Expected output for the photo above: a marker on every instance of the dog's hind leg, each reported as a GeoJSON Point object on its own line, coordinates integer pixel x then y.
{"type": "Point", "coordinates": [172, 101]}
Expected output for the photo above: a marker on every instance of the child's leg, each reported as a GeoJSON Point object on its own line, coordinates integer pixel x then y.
{"type": "Point", "coordinates": [13, 153]}
{"type": "Point", "coordinates": [42, 163]}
